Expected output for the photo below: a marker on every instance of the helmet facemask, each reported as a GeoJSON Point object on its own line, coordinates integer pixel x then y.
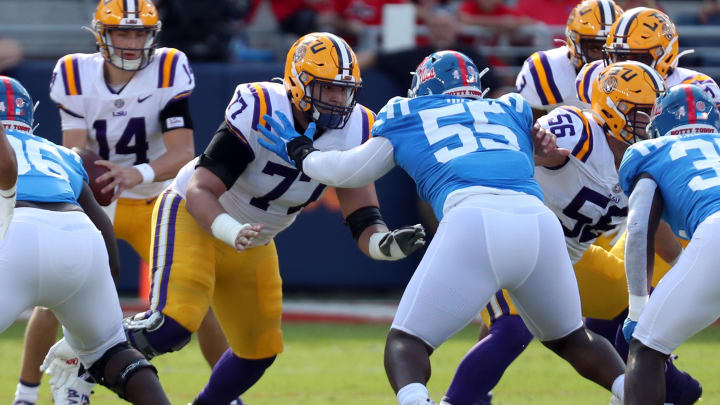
{"type": "Point", "coordinates": [117, 55]}
{"type": "Point", "coordinates": [319, 94]}
{"type": "Point", "coordinates": [646, 56]}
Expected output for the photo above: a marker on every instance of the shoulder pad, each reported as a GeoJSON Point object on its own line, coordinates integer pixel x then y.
{"type": "Point", "coordinates": [584, 80]}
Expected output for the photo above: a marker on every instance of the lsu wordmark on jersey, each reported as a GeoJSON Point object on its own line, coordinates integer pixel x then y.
{"type": "Point", "coordinates": [124, 124]}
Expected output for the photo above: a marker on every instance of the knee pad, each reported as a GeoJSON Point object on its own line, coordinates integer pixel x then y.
{"type": "Point", "coordinates": [138, 327]}
{"type": "Point", "coordinates": [97, 370]}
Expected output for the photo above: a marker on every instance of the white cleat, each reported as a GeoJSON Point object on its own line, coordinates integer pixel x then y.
{"type": "Point", "coordinates": [615, 401]}
{"type": "Point", "coordinates": [63, 367]}
{"type": "Point", "coordinates": [76, 392]}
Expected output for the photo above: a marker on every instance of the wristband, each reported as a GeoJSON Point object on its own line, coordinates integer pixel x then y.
{"type": "Point", "coordinates": [637, 305]}
{"type": "Point", "coordinates": [226, 228]}
{"type": "Point", "coordinates": [147, 172]}
{"type": "Point", "coordinates": [374, 246]}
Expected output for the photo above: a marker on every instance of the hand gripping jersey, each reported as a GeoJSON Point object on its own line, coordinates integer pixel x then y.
{"type": "Point", "coordinates": [588, 74]}
{"type": "Point", "coordinates": [447, 143]}
{"type": "Point", "coordinates": [46, 172]}
{"type": "Point", "coordinates": [547, 79]}
{"type": "Point", "coordinates": [686, 169]}
{"type": "Point", "coordinates": [269, 190]}
{"type": "Point", "coordinates": [583, 191]}
{"type": "Point", "coordinates": [123, 126]}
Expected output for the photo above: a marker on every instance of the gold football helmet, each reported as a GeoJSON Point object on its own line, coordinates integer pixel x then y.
{"type": "Point", "coordinates": [644, 35]}
{"type": "Point", "coordinates": [622, 99]}
{"type": "Point", "coordinates": [587, 29]}
{"type": "Point", "coordinates": [323, 78]}
{"type": "Point", "coordinates": [138, 15]}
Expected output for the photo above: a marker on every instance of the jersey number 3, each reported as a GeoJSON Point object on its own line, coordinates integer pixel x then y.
{"type": "Point", "coordinates": [134, 129]}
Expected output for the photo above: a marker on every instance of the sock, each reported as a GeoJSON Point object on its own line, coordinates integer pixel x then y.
{"type": "Point", "coordinates": [27, 392]}
{"type": "Point", "coordinates": [412, 393]}
{"type": "Point", "coordinates": [481, 368]}
{"type": "Point", "coordinates": [167, 337]}
{"type": "Point", "coordinates": [618, 387]}
{"type": "Point", "coordinates": [231, 377]}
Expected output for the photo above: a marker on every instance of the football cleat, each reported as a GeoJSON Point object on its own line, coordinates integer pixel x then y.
{"type": "Point", "coordinates": [680, 387]}
{"type": "Point", "coordinates": [77, 391]}
{"type": "Point", "coordinates": [22, 402]}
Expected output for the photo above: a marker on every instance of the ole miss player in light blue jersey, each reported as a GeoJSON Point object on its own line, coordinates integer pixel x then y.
{"type": "Point", "coordinates": [53, 255]}
{"type": "Point", "coordinates": [472, 160]}
{"type": "Point", "coordinates": [676, 177]}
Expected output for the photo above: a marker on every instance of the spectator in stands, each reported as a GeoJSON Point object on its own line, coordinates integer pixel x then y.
{"type": "Point", "coordinates": [11, 54]}
{"type": "Point", "coordinates": [492, 14]}
{"type": "Point", "coordinates": [628, 4]}
{"type": "Point", "coordinates": [300, 17]}
{"type": "Point", "coordinates": [708, 13]}
{"type": "Point", "coordinates": [550, 12]}
{"type": "Point", "coordinates": [443, 29]}
{"type": "Point", "coordinates": [202, 32]}
{"type": "Point", "coordinates": [356, 16]}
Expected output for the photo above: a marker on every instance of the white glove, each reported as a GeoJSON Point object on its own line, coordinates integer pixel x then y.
{"type": "Point", "coordinates": [62, 364]}
{"type": "Point", "coordinates": [397, 244]}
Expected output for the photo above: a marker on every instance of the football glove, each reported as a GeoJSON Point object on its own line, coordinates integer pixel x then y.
{"type": "Point", "coordinates": [397, 244]}
{"type": "Point", "coordinates": [286, 142]}
{"type": "Point", "coordinates": [63, 366]}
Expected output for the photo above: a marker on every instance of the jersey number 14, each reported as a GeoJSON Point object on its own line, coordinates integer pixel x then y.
{"type": "Point", "coordinates": [134, 129]}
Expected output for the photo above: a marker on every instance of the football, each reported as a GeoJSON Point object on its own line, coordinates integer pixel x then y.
{"type": "Point", "coordinates": [94, 171]}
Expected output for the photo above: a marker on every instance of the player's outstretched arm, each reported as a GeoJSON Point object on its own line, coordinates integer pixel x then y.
{"type": "Point", "coordinates": [8, 163]}
{"type": "Point", "coordinates": [201, 199]}
{"type": "Point", "coordinates": [98, 217]}
{"type": "Point", "coordinates": [644, 211]}
{"type": "Point", "coordinates": [360, 210]}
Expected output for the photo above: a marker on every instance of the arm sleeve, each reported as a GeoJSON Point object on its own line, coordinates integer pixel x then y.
{"type": "Point", "coordinates": [352, 168]}
{"type": "Point", "coordinates": [226, 156]}
{"type": "Point", "coordinates": [643, 217]}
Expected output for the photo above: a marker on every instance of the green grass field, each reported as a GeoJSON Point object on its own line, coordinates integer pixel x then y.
{"type": "Point", "coordinates": [342, 364]}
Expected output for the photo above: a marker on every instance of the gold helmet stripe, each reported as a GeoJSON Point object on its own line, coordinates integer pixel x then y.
{"type": "Point", "coordinates": [623, 26]}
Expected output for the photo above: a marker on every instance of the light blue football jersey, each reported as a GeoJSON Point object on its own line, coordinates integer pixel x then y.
{"type": "Point", "coordinates": [46, 172]}
{"type": "Point", "coordinates": [446, 143]}
{"type": "Point", "coordinates": [687, 170]}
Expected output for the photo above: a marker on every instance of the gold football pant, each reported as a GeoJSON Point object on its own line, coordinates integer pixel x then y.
{"type": "Point", "coordinates": [132, 224]}
{"type": "Point", "coordinates": [192, 270]}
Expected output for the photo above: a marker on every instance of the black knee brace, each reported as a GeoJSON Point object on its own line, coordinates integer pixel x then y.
{"type": "Point", "coordinates": [97, 370]}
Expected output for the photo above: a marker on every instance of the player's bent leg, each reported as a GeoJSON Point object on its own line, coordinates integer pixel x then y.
{"type": "Point", "coordinates": [211, 339]}
{"type": "Point", "coordinates": [40, 335]}
{"type": "Point", "coordinates": [233, 377]}
{"type": "Point", "coordinates": [126, 372]}
{"type": "Point", "coordinates": [483, 366]}
{"type": "Point", "coordinates": [407, 359]}
{"type": "Point", "coordinates": [644, 382]}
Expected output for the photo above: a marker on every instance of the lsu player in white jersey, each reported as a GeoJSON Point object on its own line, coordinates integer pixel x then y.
{"type": "Point", "coordinates": [471, 158]}
{"type": "Point", "coordinates": [129, 103]}
{"type": "Point", "coordinates": [215, 224]}
{"type": "Point", "coordinates": [58, 252]}
{"type": "Point", "coordinates": [649, 36]}
{"type": "Point", "coordinates": [673, 177]}
{"type": "Point", "coordinates": [547, 78]}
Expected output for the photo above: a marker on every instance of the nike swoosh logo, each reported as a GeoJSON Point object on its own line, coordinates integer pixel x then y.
{"type": "Point", "coordinates": [140, 100]}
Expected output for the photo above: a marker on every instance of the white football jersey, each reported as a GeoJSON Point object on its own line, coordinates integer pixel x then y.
{"type": "Point", "coordinates": [270, 191]}
{"type": "Point", "coordinates": [584, 191]}
{"type": "Point", "coordinates": [547, 79]}
{"type": "Point", "coordinates": [589, 73]}
{"type": "Point", "coordinates": [123, 126]}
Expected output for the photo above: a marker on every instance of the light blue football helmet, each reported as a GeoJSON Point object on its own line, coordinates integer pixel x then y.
{"type": "Point", "coordinates": [682, 105]}
{"type": "Point", "coordinates": [447, 72]}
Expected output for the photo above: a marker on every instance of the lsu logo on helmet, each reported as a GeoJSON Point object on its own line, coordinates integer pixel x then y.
{"type": "Point", "coordinates": [623, 96]}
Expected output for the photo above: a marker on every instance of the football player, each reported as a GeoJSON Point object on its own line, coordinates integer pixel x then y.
{"type": "Point", "coordinates": [54, 255]}
{"type": "Point", "coordinates": [215, 224]}
{"type": "Point", "coordinates": [546, 79]}
{"type": "Point", "coordinates": [472, 161]}
{"type": "Point", "coordinates": [675, 177]}
{"type": "Point", "coordinates": [129, 103]}
{"type": "Point", "coordinates": [583, 192]}
{"type": "Point", "coordinates": [645, 35]}
{"type": "Point", "coordinates": [8, 178]}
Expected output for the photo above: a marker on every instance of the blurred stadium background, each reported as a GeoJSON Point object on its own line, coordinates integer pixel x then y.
{"type": "Point", "coordinates": [235, 41]}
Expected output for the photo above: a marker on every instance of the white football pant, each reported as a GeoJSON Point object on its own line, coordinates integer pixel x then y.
{"type": "Point", "coordinates": [687, 299]}
{"type": "Point", "coordinates": [485, 243]}
{"type": "Point", "coordinates": [59, 260]}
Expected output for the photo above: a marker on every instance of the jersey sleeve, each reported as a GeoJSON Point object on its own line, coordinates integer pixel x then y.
{"type": "Point", "coordinates": [520, 105]}
{"type": "Point", "coordinates": [585, 79]}
{"type": "Point", "coordinates": [706, 83]}
{"type": "Point", "coordinates": [175, 77]}
{"type": "Point", "coordinates": [630, 169]}
{"type": "Point", "coordinates": [66, 92]}
{"type": "Point", "coordinates": [572, 129]}
{"type": "Point", "coordinates": [536, 83]}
